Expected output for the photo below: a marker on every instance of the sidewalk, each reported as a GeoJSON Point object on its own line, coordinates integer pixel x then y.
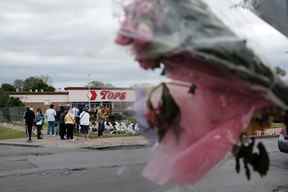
{"type": "Point", "coordinates": [101, 143]}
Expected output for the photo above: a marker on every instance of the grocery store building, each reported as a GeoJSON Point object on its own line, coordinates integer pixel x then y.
{"type": "Point", "coordinates": [119, 99]}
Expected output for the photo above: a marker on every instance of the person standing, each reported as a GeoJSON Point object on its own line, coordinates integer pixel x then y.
{"type": "Point", "coordinates": [93, 120]}
{"type": "Point", "coordinates": [70, 123]}
{"type": "Point", "coordinates": [76, 113]}
{"type": "Point", "coordinates": [39, 121]}
{"type": "Point", "coordinates": [51, 114]}
{"type": "Point", "coordinates": [101, 127]}
{"type": "Point", "coordinates": [29, 117]}
{"type": "Point", "coordinates": [61, 120]}
{"type": "Point", "coordinates": [84, 122]}
{"type": "Point", "coordinates": [285, 121]}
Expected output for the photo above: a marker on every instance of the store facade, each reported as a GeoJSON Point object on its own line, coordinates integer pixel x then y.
{"type": "Point", "coordinates": [118, 99]}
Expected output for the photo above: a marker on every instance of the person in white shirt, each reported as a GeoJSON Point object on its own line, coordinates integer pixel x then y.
{"type": "Point", "coordinates": [84, 122]}
{"type": "Point", "coordinates": [50, 115]}
{"type": "Point", "coordinates": [75, 111]}
{"type": "Point", "coordinates": [77, 120]}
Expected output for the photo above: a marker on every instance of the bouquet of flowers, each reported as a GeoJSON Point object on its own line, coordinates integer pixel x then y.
{"type": "Point", "coordinates": [225, 64]}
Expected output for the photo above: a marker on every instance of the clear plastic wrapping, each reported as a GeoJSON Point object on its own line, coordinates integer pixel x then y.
{"type": "Point", "coordinates": [226, 62]}
{"type": "Point", "coordinates": [224, 35]}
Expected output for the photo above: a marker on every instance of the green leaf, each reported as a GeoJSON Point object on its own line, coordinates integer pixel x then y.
{"type": "Point", "coordinates": [170, 114]}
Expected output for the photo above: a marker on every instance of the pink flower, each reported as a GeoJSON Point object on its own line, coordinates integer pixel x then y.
{"type": "Point", "coordinates": [144, 8]}
{"type": "Point", "coordinates": [123, 40]}
{"type": "Point", "coordinates": [143, 34]}
{"type": "Point", "coordinates": [135, 29]}
{"type": "Point", "coordinates": [212, 120]}
{"type": "Point", "coordinates": [148, 63]}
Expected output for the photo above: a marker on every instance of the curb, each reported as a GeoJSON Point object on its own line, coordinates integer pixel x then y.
{"type": "Point", "coordinates": [21, 145]}
{"type": "Point", "coordinates": [116, 147]}
{"type": "Point", "coordinates": [265, 137]}
{"type": "Point", "coordinates": [106, 147]}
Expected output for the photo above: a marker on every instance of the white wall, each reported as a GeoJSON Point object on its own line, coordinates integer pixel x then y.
{"type": "Point", "coordinates": [46, 99]}
{"type": "Point", "coordinates": [78, 96]}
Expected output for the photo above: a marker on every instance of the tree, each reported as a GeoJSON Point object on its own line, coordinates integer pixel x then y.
{"type": "Point", "coordinates": [280, 71]}
{"type": "Point", "coordinates": [109, 85]}
{"type": "Point", "coordinates": [45, 78]}
{"type": "Point", "coordinates": [50, 89]}
{"type": "Point", "coordinates": [3, 98]}
{"type": "Point", "coordinates": [19, 84]}
{"type": "Point", "coordinates": [15, 102]}
{"type": "Point", "coordinates": [7, 87]}
{"type": "Point", "coordinates": [7, 101]}
{"type": "Point", "coordinates": [36, 83]}
{"type": "Point", "coordinates": [99, 84]}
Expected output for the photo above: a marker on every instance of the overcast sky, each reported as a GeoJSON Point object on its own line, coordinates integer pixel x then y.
{"type": "Point", "coordinates": [71, 41]}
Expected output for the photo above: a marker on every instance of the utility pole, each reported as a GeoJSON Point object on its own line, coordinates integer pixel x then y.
{"type": "Point", "coordinates": [89, 91]}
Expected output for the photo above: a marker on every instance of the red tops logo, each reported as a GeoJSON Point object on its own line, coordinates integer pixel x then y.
{"type": "Point", "coordinates": [108, 95]}
{"type": "Point", "coordinates": [93, 95]}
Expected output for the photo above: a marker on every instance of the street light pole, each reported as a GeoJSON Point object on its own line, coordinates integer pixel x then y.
{"type": "Point", "coordinates": [89, 92]}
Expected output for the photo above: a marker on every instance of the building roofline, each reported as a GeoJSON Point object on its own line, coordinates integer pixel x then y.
{"type": "Point", "coordinates": [97, 88]}
{"type": "Point", "coordinates": [39, 93]}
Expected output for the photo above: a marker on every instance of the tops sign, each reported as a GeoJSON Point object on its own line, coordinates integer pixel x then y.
{"type": "Point", "coordinates": [80, 95]}
{"type": "Point", "coordinates": [110, 95]}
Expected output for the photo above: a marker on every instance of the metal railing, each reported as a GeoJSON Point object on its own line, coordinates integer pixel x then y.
{"type": "Point", "coordinates": [12, 115]}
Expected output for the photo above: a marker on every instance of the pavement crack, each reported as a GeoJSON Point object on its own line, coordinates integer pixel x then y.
{"type": "Point", "coordinates": [47, 172]}
{"type": "Point", "coordinates": [116, 147]}
{"type": "Point", "coordinates": [36, 154]}
{"type": "Point", "coordinates": [122, 165]}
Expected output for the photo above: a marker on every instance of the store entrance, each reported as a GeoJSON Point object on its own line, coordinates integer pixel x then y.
{"type": "Point", "coordinates": [93, 105]}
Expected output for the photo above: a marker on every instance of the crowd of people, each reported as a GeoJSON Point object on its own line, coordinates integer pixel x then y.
{"type": "Point", "coordinates": [70, 120]}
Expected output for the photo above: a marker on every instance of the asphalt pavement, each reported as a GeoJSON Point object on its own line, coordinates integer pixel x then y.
{"type": "Point", "coordinates": [55, 169]}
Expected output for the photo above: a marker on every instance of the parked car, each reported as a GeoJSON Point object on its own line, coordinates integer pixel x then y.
{"type": "Point", "coordinates": [283, 141]}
